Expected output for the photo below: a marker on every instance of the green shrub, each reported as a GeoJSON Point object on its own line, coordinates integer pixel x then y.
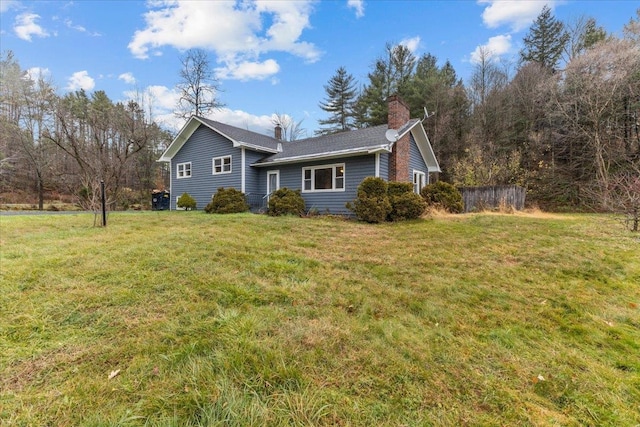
{"type": "Point", "coordinates": [286, 202]}
{"type": "Point", "coordinates": [407, 205]}
{"type": "Point", "coordinates": [373, 187]}
{"type": "Point", "coordinates": [227, 200]}
{"type": "Point", "coordinates": [372, 202]}
{"type": "Point", "coordinates": [444, 196]}
{"type": "Point", "coordinates": [371, 209]}
{"type": "Point", "coordinates": [378, 201]}
{"type": "Point", "coordinates": [186, 201]}
{"type": "Point", "coordinates": [397, 188]}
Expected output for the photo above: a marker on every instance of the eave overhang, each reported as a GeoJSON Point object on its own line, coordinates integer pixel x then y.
{"type": "Point", "coordinates": [386, 148]}
{"type": "Point", "coordinates": [424, 146]}
{"type": "Point", "coordinates": [254, 147]}
{"type": "Point", "coordinates": [190, 127]}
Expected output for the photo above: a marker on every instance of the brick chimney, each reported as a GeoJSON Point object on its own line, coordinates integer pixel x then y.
{"type": "Point", "coordinates": [399, 158]}
{"type": "Point", "coordinates": [278, 132]}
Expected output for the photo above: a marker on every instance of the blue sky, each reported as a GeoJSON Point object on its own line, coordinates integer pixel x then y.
{"type": "Point", "coordinates": [269, 56]}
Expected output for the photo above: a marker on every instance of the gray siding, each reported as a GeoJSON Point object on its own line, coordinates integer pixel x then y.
{"type": "Point", "coordinates": [384, 166]}
{"type": "Point", "coordinates": [200, 150]}
{"type": "Point", "coordinates": [416, 162]}
{"type": "Point", "coordinates": [356, 169]}
{"type": "Point", "coordinates": [253, 183]}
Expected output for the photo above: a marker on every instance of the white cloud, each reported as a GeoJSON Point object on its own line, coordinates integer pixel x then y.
{"type": "Point", "coordinates": [79, 28]}
{"type": "Point", "coordinates": [163, 97]}
{"type": "Point", "coordinates": [248, 70]}
{"type": "Point", "coordinates": [358, 6]}
{"type": "Point", "coordinates": [411, 44]}
{"type": "Point", "coordinates": [37, 73]}
{"type": "Point", "coordinates": [26, 26]}
{"type": "Point", "coordinates": [517, 14]}
{"type": "Point", "coordinates": [127, 78]}
{"type": "Point", "coordinates": [81, 80]}
{"type": "Point", "coordinates": [5, 5]}
{"type": "Point", "coordinates": [162, 101]}
{"type": "Point", "coordinates": [261, 124]}
{"type": "Point", "coordinates": [234, 30]}
{"type": "Point", "coordinates": [495, 47]}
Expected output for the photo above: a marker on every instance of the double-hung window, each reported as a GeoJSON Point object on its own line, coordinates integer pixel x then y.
{"type": "Point", "coordinates": [183, 170]}
{"type": "Point", "coordinates": [221, 165]}
{"type": "Point", "coordinates": [323, 178]}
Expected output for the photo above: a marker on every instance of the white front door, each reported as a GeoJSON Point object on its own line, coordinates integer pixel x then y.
{"type": "Point", "coordinates": [273, 181]}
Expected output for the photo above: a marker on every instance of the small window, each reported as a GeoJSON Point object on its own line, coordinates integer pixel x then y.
{"type": "Point", "coordinates": [323, 178]}
{"type": "Point", "coordinates": [419, 181]}
{"type": "Point", "coordinates": [221, 165]}
{"type": "Point", "coordinates": [184, 170]}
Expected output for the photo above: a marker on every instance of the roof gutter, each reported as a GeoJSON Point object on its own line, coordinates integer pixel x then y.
{"type": "Point", "coordinates": [326, 156]}
{"type": "Point", "coordinates": [240, 144]}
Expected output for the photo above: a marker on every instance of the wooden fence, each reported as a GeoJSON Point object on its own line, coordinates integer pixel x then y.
{"type": "Point", "coordinates": [493, 197]}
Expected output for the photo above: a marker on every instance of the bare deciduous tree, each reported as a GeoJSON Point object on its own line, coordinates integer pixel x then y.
{"type": "Point", "coordinates": [593, 96]}
{"type": "Point", "coordinates": [102, 138]}
{"type": "Point", "coordinates": [624, 193]}
{"type": "Point", "coordinates": [27, 110]}
{"type": "Point", "coordinates": [198, 87]}
{"type": "Point", "coordinates": [291, 130]}
{"type": "Point", "coordinates": [582, 33]}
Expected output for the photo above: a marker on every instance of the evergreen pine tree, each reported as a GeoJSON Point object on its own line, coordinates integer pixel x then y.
{"type": "Point", "coordinates": [545, 41]}
{"type": "Point", "coordinates": [593, 33]}
{"type": "Point", "coordinates": [340, 103]}
{"type": "Point", "coordinates": [391, 75]}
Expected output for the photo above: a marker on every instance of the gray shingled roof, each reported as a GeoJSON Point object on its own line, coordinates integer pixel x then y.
{"type": "Point", "coordinates": [243, 135]}
{"type": "Point", "coordinates": [407, 126]}
{"type": "Point", "coordinates": [358, 140]}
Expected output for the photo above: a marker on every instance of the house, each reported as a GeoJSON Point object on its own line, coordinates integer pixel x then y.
{"type": "Point", "coordinates": [207, 155]}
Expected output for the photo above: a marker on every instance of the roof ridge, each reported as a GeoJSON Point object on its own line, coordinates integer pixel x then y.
{"type": "Point", "coordinates": [217, 123]}
{"type": "Point", "coordinates": [341, 133]}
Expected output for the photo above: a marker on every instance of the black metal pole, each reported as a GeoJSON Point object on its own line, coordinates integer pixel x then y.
{"type": "Point", "coordinates": [104, 205]}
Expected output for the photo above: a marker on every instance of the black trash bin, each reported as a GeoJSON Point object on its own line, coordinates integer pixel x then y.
{"type": "Point", "coordinates": [160, 201]}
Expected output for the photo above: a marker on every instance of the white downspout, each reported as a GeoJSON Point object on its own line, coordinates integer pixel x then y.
{"type": "Point", "coordinates": [377, 172]}
{"type": "Point", "coordinates": [242, 170]}
{"type": "Point", "coordinates": [170, 182]}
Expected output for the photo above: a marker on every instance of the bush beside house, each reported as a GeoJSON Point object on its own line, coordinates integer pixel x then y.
{"type": "Point", "coordinates": [372, 201]}
{"type": "Point", "coordinates": [286, 202]}
{"type": "Point", "coordinates": [405, 204]}
{"type": "Point", "coordinates": [227, 200]}
{"type": "Point", "coordinates": [443, 195]}
{"type": "Point", "coordinates": [379, 201]}
{"type": "Point", "coordinates": [186, 202]}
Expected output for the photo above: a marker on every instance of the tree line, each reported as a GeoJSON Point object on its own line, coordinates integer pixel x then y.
{"type": "Point", "coordinates": [68, 144]}
{"type": "Point", "coordinates": [563, 122]}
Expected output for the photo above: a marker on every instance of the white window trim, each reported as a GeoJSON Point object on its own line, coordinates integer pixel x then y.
{"type": "Point", "coordinates": [183, 170]}
{"type": "Point", "coordinates": [275, 172]}
{"type": "Point", "coordinates": [424, 180]}
{"type": "Point", "coordinates": [221, 158]}
{"type": "Point", "coordinates": [333, 178]}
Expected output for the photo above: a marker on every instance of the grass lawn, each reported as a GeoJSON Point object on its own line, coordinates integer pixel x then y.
{"type": "Point", "coordinates": [183, 318]}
